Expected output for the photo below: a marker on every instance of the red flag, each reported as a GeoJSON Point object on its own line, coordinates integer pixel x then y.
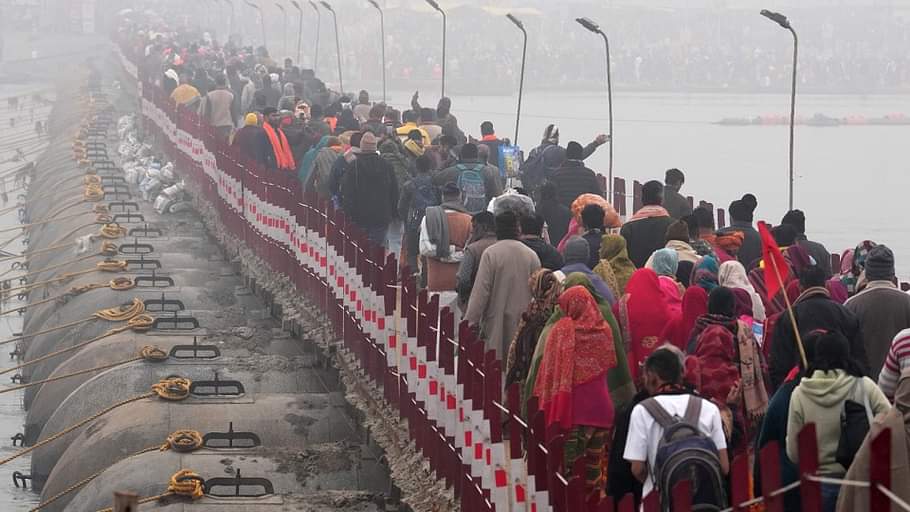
{"type": "Point", "coordinates": [775, 264]}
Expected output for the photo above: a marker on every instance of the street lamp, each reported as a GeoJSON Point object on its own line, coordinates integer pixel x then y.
{"type": "Point", "coordinates": [296, 5]}
{"type": "Point", "coordinates": [595, 28]}
{"type": "Point", "coordinates": [435, 6]}
{"type": "Point", "coordinates": [337, 44]}
{"type": "Point", "coordinates": [318, 24]}
{"type": "Point", "coordinates": [782, 20]}
{"type": "Point", "coordinates": [521, 80]}
{"type": "Point", "coordinates": [261, 21]}
{"type": "Point", "coordinates": [284, 17]}
{"type": "Point", "coordinates": [382, 35]}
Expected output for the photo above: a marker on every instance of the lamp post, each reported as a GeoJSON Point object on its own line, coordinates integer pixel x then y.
{"type": "Point", "coordinates": [231, 19]}
{"type": "Point", "coordinates": [318, 24]}
{"type": "Point", "coordinates": [261, 21]}
{"type": "Point", "coordinates": [435, 6]}
{"type": "Point", "coordinates": [382, 36]}
{"type": "Point", "coordinates": [337, 44]}
{"type": "Point", "coordinates": [284, 18]}
{"type": "Point", "coordinates": [782, 20]}
{"type": "Point", "coordinates": [296, 5]}
{"type": "Point", "coordinates": [521, 79]}
{"type": "Point", "coordinates": [595, 28]}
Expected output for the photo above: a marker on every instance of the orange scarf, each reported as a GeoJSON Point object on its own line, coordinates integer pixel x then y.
{"type": "Point", "coordinates": [282, 149]}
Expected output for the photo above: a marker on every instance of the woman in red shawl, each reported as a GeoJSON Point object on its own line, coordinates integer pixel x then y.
{"type": "Point", "coordinates": [643, 313]}
{"type": "Point", "coordinates": [694, 305]}
{"type": "Point", "coordinates": [572, 384]}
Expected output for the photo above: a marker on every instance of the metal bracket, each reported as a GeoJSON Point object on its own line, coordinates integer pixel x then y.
{"type": "Point", "coordinates": [112, 180]}
{"type": "Point", "coordinates": [137, 248]}
{"type": "Point", "coordinates": [217, 387]}
{"type": "Point", "coordinates": [143, 264]}
{"type": "Point", "coordinates": [18, 439]}
{"type": "Point", "coordinates": [176, 323]}
{"type": "Point", "coordinates": [196, 351]}
{"type": "Point", "coordinates": [153, 281]}
{"type": "Point", "coordinates": [18, 477]}
{"type": "Point", "coordinates": [18, 379]}
{"type": "Point", "coordinates": [128, 218]}
{"type": "Point", "coordinates": [164, 305]}
{"type": "Point", "coordinates": [240, 487]}
{"type": "Point", "coordinates": [117, 192]}
{"type": "Point", "coordinates": [145, 232]}
{"type": "Point", "coordinates": [122, 206]}
{"type": "Point", "coordinates": [230, 439]}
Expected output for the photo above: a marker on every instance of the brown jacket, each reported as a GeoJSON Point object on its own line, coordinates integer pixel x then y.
{"type": "Point", "coordinates": [441, 274]}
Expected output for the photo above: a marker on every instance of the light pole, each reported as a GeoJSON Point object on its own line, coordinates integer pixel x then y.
{"type": "Point", "coordinates": [284, 18]}
{"type": "Point", "coordinates": [381, 35]}
{"type": "Point", "coordinates": [231, 19]}
{"type": "Point", "coordinates": [521, 80]}
{"type": "Point", "coordinates": [595, 28]}
{"type": "Point", "coordinates": [296, 5]}
{"type": "Point", "coordinates": [261, 22]}
{"type": "Point", "coordinates": [435, 6]}
{"type": "Point", "coordinates": [782, 20]}
{"type": "Point", "coordinates": [337, 44]}
{"type": "Point", "coordinates": [318, 24]}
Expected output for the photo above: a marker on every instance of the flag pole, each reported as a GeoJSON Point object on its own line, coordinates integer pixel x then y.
{"type": "Point", "coordinates": [783, 289]}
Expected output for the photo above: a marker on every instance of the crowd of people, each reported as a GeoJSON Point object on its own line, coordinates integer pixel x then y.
{"type": "Point", "coordinates": [630, 335]}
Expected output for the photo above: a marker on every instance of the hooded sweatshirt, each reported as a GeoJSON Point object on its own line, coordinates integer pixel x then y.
{"type": "Point", "coordinates": [820, 399]}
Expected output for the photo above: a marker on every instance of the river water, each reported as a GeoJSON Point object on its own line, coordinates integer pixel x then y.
{"type": "Point", "coordinates": [12, 415]}
{"type": "Point", "coordinates": [851, 181]}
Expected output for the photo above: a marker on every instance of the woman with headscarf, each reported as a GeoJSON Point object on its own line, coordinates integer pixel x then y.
{"type": "Point", "coordinates": [572, 387]}
{"type": "Point", "coordinates": [721, 312]}
{"type": "Point", "coordinates": [732, 274]}
{"type": "Point", "coordinates": [615, 267]}
{"type": "Point", "coordinates": [575, 228]}
{"type": "Point", "coordinates": [856, 499]}
{"type": "Point", "coordinates": [289, 98]}
{"type": "Point", "coordinates": [727, 245]}
{"type": "Point", "coordinates": [619, 380]}
{"type": "Point", "coordinates": [316, 169]}
{"type": "Point", "coordinates": [665, 264]}
{"type": "Point", "coordinates": [643, 314]}
{"type": "Point", "coordinates": [679, 329]}
{"type": "Point", "coordinates": [545, 290]}
{"type": "Point", "coordinates": [705, 273]}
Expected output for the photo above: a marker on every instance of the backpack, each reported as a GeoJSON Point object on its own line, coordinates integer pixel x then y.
{"type": "Point", "coordinates": [473, 191]}
{"type": "Point", "coordinates": [534, 170]}
{"type": "Point", "coordinates": [685, 453]}
{"type": "Point", "coordinates": [855, 419]}
{"type": "Point", "coordinates": [424, 197]}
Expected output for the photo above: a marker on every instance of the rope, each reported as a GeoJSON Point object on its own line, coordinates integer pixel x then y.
{"type": "Point", "coordinates": [108, 249]}
{"type": "Point", "coordinates": [147, 353]}
{"type": "Point", "coordinates": [101, 266]}
{"type": "Point", "coordinates": [183, 483]}
{"type": "Point", "coordinates": [116, 284]}
{"type": "Point", "coordinates": [39, 197]}
{"type": "Point", "coordinates": [115, 314]}
{"type": "Point", "coordinates": [46, 221]}
{"type": "Point", "coordinates": [170, 389]}
{"type": "Point", "coordinates": [140, 323]}
{"type": "Point", "coordinates": [182, 441]}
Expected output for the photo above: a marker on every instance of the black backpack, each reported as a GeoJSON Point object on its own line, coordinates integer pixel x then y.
{"type": "Point", "coordinates": [534, 170]}
{"type": "Point", "coordinates": [685, 453]}
{"type": "Point", "coordinates": [855, 420]}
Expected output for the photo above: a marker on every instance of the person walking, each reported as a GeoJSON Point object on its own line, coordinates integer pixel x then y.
{"type": "Point", "coordinates": [573, 179]}
{"type": "Point", "coordinates": [741, 212]}
{"type": "Point", "coordinates": [646, 231]}
{"type": "Point", "coordinates": [675, 203]}
{"type": "Point", "coordinates": [218, 109]}
{"type": "Point", "coordinates": [370, 191]}
{"type": "Point", "coordinates": [444, 233]}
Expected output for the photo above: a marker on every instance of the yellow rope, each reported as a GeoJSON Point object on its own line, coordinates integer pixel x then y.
{"type": "Point", "coordinates": [140, 323]}
{"type": "Point", "coordinates": [115, 314]}
{"type": "Point", "coordinates": [101, 266]}
{"type": "Point", "coordinates": [182, 441]}
{"type": "Point", "coordinates": [171, 389]}
{"type": "Point", "coordinates": [184, 483]}
{"type": "Point", "coordinates": [116, 284]}
{"type": "Point", "coordinates": [108, 249]}
{"type": "Point", "coordinates": [44, 221]}
{"type": "Point", "coordinates": [147, 353]}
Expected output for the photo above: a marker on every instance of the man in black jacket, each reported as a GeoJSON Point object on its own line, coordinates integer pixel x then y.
{"type": "Point", "coordinates": [531, 235]}
{"type": "Point", "coordinates": [646, 231]}
{"type": "Point", "coordinates": [573, 179]}
{"type": "Point", "coordinates": [677, 205]}
{"type": "Point", "coordinates": [814, 310]}
{"type": "Point", "coordinates": [819, 253]}
{"type": "Point", "coordinates": [741, 213]}
{"type": "Point", "coordinates": [370, 191]}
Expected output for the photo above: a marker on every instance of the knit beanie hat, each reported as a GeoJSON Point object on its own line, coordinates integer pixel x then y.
{"type": "Point", "coordinates": [743, 209]}
{"type": "Point", "coordinates": [679, 230]}
{"type": "Point", "coordinates": [797, 219]}
{"type": "Point", "coordinates": [574, 151]}
{"type": "Point", "coordinates": [576, 251]}
{"type": "Point", "coordinates": [251, 119]}
{"type": "Point", "coordinates": [368, 143]}
{"type": "Point", "coordinates": [880, 264]}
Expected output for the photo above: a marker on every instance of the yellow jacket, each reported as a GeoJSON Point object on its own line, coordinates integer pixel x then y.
{"type": "Point", "coordinates": [184, 93]}
{"type": "Point", "coordinates": [406, 128]}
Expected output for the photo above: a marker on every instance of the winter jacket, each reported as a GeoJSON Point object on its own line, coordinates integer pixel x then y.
{"type": "Point", "coordinates": [547, 254]}
{"type": "Point", "coordinates": [554, 158]}
{"type": "Point", "coordinates": [370, 191]}
{"type": "Point", "coordinates": [750, 252]}
{"type": "Point", "coordinates": [253, 143]}
{"type": "Point", "coordinates": [492, 186]}
{"type": "Point", "coordinates": [218, 107]}
{"type": "Point", "coordinates": [883, 311]}
{"type": "Point", "coordinates": [820, 399]}
{"type": "Point", "coordinates": [645, 236]}
{"type": "Point", "coordinates": [675, 203]}
{"type": "Point", "coordinates": [557, 218]}
{"type": "Point", "coordinates": [818, 252]}
{"type": "Point", "coordinates": [813, 311]}
{"type": "Point", "coordinates": [573, 179]}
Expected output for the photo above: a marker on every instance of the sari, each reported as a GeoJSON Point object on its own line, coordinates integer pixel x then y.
{"type": "Point", "coordinates": [732, 274]}
{"type": "Point", "coordinates": [615, 267]}
{"type": "Point", "coordinates": [694, 305]}
{"type": "Point", "coordinates": [545, 289]}
{"type": "Point", "coordinates": [572, 387]}
{"type": "Point", "coordinates": [643, 315]}
{"type": "Point", "coordinates": [704, 273]}
{"type": "Point", "coordinates": [619, 380]}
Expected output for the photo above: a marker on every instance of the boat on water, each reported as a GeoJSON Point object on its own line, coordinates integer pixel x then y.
{"type": "Point", "coordinates": [818, 120]}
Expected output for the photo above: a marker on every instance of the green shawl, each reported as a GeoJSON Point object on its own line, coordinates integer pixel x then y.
{"type": "Point", "coordinates": [619, 379]}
